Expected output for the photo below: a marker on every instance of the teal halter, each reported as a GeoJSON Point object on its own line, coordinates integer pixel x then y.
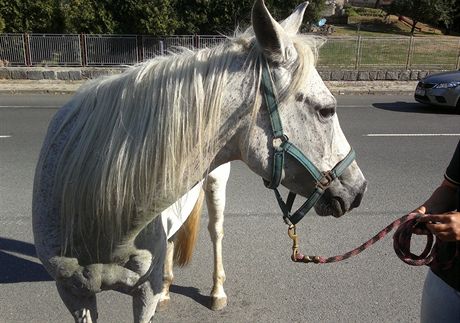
{"type": "Point", "coordinates": [322, 179]}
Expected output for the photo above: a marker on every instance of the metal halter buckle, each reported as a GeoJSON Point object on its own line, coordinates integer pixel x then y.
{"type": "Point", "coordinates": [279, 140]}
{"type": "Point", "coordinates": [325, 181]}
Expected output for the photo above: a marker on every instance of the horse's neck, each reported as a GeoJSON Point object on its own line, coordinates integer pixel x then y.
{"type": "Point", "coordinates": [236, 117]}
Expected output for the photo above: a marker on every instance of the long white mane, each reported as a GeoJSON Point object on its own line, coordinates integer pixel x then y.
{"type": "Point", "coordinates": [134, 138]}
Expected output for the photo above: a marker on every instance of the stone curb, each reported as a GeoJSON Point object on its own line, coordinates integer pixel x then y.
{"type": "Point", "coordinates": [66, 80]}
{"type": "Point", "coordinates": [84, 73]}
{"type": "Point", "coordinates": [336, 87]}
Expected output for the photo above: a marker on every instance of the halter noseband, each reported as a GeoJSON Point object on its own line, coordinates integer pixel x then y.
{"type": "Point", "coordinates": [282, 145]}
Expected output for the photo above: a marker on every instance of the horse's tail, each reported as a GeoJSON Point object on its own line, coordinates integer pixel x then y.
{"type": "Point", "coordinates": [187, 235]}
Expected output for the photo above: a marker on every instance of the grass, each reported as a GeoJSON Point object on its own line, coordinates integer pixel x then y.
{"type": "Point", "coordinates": [374, 22]}
{"type": "Point", "coordinates": [384, 43]}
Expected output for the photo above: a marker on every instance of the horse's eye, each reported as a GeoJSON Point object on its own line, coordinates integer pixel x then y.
{"type": "Point", "coordinates": [327, 113]}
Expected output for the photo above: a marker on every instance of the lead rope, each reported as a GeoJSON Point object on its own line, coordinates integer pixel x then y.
{"type": "Point", "coordinates": [401, 244]}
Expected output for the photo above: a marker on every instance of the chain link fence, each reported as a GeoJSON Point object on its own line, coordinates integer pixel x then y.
{"type": "Point", "coordinates": [358, 52]}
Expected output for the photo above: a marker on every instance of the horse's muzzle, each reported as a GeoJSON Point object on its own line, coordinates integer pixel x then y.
{"type": "Point", "coordinates": [340, 200]}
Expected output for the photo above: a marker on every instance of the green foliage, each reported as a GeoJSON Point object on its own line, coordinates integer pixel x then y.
{"type": "Point", "coordinates": [314, 11]}
{"type": "Point", "coordinates": [212, 17]}
{"type": "Point", "coordinates": [86, 16]}
{"type": "Point", "coordinates": [427, 11]}
{"type": "Point", "coordinates": [2, 24]}
{"type": "Point", "coordinates": [28, 16]}
{"type": "Point", "coordinates": [417, 10]}
{"type": "Point", "coordinates": [351, 11]}
{"type": "Point", "coordinates": [446, 10]}
{"type": "Point", "coordinates": [166, 17]}
{"type": "Point", "coordinates": [144, 16]}
{"type": "Point", "coordinates": [370, 12]}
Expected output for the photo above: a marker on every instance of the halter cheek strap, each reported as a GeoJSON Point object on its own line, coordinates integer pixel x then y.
{"type": "Point", "coordinates": [282, 145]}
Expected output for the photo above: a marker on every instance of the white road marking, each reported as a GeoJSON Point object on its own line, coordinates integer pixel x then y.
{"type": "Point", "coordinates": [412, 135]}
{"type": "Point", "coordinates": [4, 136]}
{"type": "Point", "coordinates": [29, 106]}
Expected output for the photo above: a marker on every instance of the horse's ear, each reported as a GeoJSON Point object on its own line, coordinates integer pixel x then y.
{"type": "Point", "coordinates": [271, 37]}
{"type": "Point", "coordinates": [292, 23]}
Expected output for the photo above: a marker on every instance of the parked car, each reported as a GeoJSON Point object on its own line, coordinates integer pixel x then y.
{"type": "Point", "coordinates": [439, 89]}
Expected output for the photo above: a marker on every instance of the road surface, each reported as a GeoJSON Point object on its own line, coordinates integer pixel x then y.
{"type": "Point", "coordinates": [402, 148]}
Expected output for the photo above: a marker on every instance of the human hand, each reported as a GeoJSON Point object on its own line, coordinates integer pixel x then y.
{"type": "Point", "coordinates": [445, 226]}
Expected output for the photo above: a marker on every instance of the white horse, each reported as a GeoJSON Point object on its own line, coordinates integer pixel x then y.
{"type": "Point", "coordinates": [126, 147]}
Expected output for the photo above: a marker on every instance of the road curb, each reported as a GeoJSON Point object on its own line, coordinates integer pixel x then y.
{"type": "Point", "coordinates": [9, 87]}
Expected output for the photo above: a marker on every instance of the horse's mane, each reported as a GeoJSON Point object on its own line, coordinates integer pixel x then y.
{"type": "Point", "coordinates": [133, 137]}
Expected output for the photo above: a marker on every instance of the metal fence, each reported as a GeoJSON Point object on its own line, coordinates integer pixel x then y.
{"type": "Point", "coordinates": [358, 52]}
{"type": "Point", "coordinates": [362, 52]}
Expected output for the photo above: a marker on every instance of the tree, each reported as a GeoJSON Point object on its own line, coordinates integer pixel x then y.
{"type": "Point", "coordinates": [86, 16]}
{"type": "Point", "coordinates": [224, 16]}
{"type": "Point", "coordinates": [2, 24]}
{"type": "Point", "coordinates": [456, 22]}
{"type": "Point", "coordinates": [192, 15]}
{"type": "Point", "coordinates": [417, 10]}
{"type": "Point", "coordinates": [144, 16]}
{"type": "Point", "coordinates": [447, 11]}
{"type": "Point", "coordinates": [28, 15]}
{"type": "Point", "coordinates": [281, 9]}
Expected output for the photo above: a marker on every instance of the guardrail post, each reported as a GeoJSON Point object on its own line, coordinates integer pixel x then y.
{"type": "Point", "coordinates": [358, 52]}
{"type": "Point", "coordinates": [28, 57]}
{"type": "Point", "coordinates": [140, 48]}
{"type": "Point", "coordinates": [83, 51]}
{"type": "Point", "coordinates": [162, 47]}
{"type": "Point", "coordinates": [196, 41]}
{"type": "Point", "coordinates": [458, 56]}
{"type": "Point", "coordinates": [409, 52]}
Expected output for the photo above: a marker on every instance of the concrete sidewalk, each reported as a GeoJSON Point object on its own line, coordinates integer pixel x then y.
{"type": "Point", "coordinates": [336, 87]}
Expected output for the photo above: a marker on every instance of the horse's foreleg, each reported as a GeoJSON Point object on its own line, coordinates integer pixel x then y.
{"type": "Point", "coordinates": [82, 308]}
{"type": "Point", "coordinates": [168, 276]}
{"type": "Point", "coordinates": [215, 189]}
{"type": "Point", "coordinates": [148, 294]}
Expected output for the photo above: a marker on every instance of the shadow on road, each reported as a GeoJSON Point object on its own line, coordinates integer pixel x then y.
{"type": "Point", "coordinates": [193, 293]}
{"type": "Point", "coordinates": [14, 269]}
{"type": "Point", "coordinates": [415, 108]}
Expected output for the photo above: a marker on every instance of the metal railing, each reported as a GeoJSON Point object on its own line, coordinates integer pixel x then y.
{"type": "Point", "coordinates": [404, 52]}
{"type": "Point", "coordinates": [357, 52]}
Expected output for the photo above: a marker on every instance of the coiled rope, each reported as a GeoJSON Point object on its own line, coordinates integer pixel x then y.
{"type": "Point", "coordinates": [401, 243]}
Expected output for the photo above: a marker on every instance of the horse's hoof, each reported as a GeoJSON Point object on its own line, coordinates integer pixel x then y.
{"type": "Point", "coordinates": [163, 304]}
{"type": "Point", "coordinates": [83, 316]}
{"type": "Point", "coordinates": [218, 303]}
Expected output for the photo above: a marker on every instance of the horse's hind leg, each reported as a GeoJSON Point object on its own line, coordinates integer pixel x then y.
{"type": "Point", "coordinates": [83, 308]}
{"type": "Point", "coordinates": [215, 189]}
{"type": "Point", "coordinates": [168, 276]}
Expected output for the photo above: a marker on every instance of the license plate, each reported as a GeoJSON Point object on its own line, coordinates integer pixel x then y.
{"type": "Point", "coordinates": [420, 91]}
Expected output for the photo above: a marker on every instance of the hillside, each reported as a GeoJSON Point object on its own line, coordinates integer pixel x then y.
{"type": "Point", "coordinates": [375, 22]}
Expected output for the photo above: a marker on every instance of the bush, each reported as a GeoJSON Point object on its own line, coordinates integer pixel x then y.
{"type": "Point", "coordinates": [2, 24]}
{"type": "Point", "coordinates": [350, 11]}
{"type": "Point", "coordinates": [362, 11]}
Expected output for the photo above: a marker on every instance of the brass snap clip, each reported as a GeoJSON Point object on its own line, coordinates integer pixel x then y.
{"type": "Point", "coordinates": [297, 256]}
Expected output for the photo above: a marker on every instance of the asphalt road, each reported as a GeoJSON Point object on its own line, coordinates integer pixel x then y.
{"type": "Point", "coordinates": [402, 148]}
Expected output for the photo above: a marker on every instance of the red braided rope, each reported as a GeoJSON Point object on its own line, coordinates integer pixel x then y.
{"type": "Point", "coordinates": [401, 244]}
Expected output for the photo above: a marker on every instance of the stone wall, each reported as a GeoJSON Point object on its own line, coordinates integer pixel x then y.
{"type": "Point", "coordinates": [77, 73]}
{"type": "Point", "coordinates": [374, 75]}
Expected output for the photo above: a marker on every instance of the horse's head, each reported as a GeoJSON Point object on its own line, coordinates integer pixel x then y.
{"type": "Point", "coordinates": [307, 111]}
